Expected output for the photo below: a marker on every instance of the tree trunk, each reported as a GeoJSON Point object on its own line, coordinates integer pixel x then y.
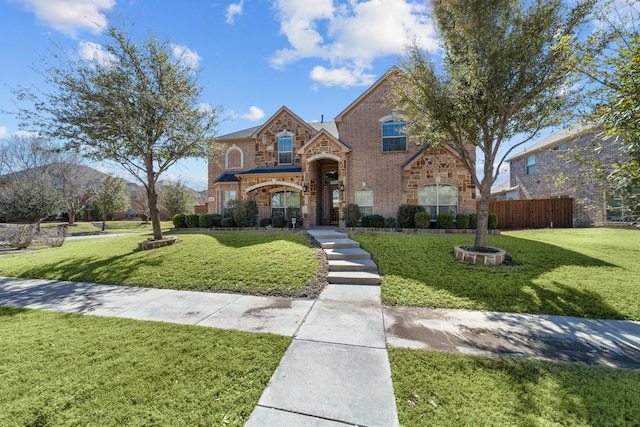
{"type": "Point", "coordinates": [72, 216]}
{"type": "Point", "coordinates": [104, 220]}
{"type": "Point", "coordinates": [154, 212]}
{"type": "Point", "coordinates": [483, 223]}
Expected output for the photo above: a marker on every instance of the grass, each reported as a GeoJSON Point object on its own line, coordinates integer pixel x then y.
{"type": "Point", "coordinates": [590, 273]}
{"type": "Point", "coordinates": [439, 389]}
{"type": "Point", "coordinates": [67, 369]}
{"type": "Point", "coordinates": [276, 263]}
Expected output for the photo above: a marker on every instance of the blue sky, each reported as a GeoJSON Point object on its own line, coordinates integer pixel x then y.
{"type": "Point", "coordinates": [314, 56]}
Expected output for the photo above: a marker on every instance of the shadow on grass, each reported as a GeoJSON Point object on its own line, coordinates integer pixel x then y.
{"type": "Point", "coordinates": [421, 271]}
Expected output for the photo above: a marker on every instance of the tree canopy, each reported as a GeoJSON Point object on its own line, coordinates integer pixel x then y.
{"type": "Point", "coordinates": [112, 196]}
{"type": "Point", "coordinates": [134, 103]}
{"type": "Point", "coordinates": [505, 71]}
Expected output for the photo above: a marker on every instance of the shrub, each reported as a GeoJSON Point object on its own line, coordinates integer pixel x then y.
{"type": "Point", "coordinates": [278, 222]}
{"type": "Point", "coordinates": [192, 220]}
{"type": "Point", "coordinates": [228, 222]}
{"type": "Point", "coordinates": [206, 220]}
{"type": "Point", "coordinates": [444, 220]}
{"type": "Point", "coordinates": [462, 221]}
{"type": "Point", "coordinates": [473, 221]}
{"type": "Point", "coordinates": [493, 221]}
{"type": "Point", "coordinates": [53, 237]}
{"type": "Point", "coordinates": [294, 213]}
{"type": "Point", "coordinates": [245, 212]}
{"type": "Point", "coordinates": [391, 222]}
{"type": "Point", "coordinates": [19, 236]}
{"type": "Point", "coordinates": [265, 222]}
{"type": "Point", "coordinates": [217, 220]}
{"type": "Point", "coordinates": [422, 220]}
{"type": "Point", "coordinates": [351, 214]}
{"type": "Point", "coordinates": [374, 221]}
{"type": "Point", "coordinates": [179, 221]}
{"type": "Point", "coordinates": [407, 214]}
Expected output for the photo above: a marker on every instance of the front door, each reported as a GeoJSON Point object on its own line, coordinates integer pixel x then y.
{"type": "Point", "coordinates": [331, 203]}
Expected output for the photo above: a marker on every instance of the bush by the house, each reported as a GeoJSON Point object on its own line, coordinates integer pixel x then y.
{"type": "Point", "coordinates": [473, 221]}
{"type": "Point", "coordinates": [265, 222]}
{"type": "Point", "coordinates": [374, 221]}
{"type": "Point", "coordinates": [444, 221]}
{"type": "Point", "coordinates": [407, 215]}
{"type": "Point", "coordinates": [192, 220]}
{"type": "Point", "coordinates": [294, 213]}
{"type": "Point", "coordinates": [462, 221]}
{"type": "Point", "coordinates": [391, 222]}
{"type": "Point", "coordinates": [18, 236]}
{"type": "Point", "coordinates": [493, 221]}
{"type": "Point", "coordinates": [278, 221]}
{"type": "Point", "coordinates": [422, 220]}
{"type": "Point", "coordinates": [179, 221]}
{"type": "Point", "coordinates": [351, 214]}
{"type": "Point", "coordinates": [206, 220]}
{"type": "Point", "coordinates": [217, 220]}
{"type": "Point", "coordinates": [245, 212]}
{"type": "Point", "coordinates": [228, 222]}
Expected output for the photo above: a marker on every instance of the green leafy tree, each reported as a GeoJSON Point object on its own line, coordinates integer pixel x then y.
{"type": "Point", "coordinates": [112, 196]}
{"type": "Point", "coordinates": [504, 74]}
{"type": "Point", "coordinates": [30, 199]}
{"type": "Point", "coordinates": [177, 198]}
{"type": "Point", "coordinates": [135, 104]}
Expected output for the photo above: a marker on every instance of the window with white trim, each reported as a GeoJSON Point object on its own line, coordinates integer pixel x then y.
{"type": "Point", "coordinates": [364, 200]}
{"type": "Point", "coordinates": [233, 158]}
{"type": "Point", "coordinates": [284, 201]}
{"type": "Point", "coordinates": [438, 199]}
{"type": "Point", "coordinates": [393, 135]}
{"type": "Point", "coordinates": [531, 164]}
{"type": "Point", "coordinates": [227, 198]}
{"type": "Point", "coordinates": [285, 149]}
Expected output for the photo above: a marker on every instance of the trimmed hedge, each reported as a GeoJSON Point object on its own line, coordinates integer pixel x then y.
{"type": "Point", "coordinates": [245, 213]}
{"type": "Point", "coordinates": [493, 221]}
{"type": "Point", "coordinates": [192, 221]}
{"type": "Point", "coordinates": [217, 220]}
{"type": "Point", "coordinates": [473, 221]}
{"type": "Point", "coordinates": [422, 220]}
{"type": "Point", "coordinates": [179, 221]}
{"type": "Point", "coordinates": [391, 222]}
{"type": "Point", "coordinates": [444, 221]}
{"type": "Point", "coordinates": [228, 222]}
{"type": "Point", "coordinates": [278, 222]}
{"type": "Point", "coordinates": [265, 222]}
{"type": "Point", "coordinates": [351, 214]}
{"type": "Point", "coordinates": [407, 214]}
{"type": "Point", "coordinates": [462, 221]}
{"type": "Point", "coordinates": [206, 220]}
{"type": "Point", "coordinates": [374, 221]}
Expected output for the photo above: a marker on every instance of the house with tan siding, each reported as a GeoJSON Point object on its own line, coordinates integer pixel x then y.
{"type": "Point", "coordinates": [312, 170]}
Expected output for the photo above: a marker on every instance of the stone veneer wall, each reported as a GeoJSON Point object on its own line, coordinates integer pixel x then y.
{"type": "Point", "coordinates": [266, 145]}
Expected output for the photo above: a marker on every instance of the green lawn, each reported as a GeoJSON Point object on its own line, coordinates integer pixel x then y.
{"type": "Point", "coordinates": [66, 369]}
{"type": "Point", "coordinates": [589, 273]}
{"type": "Point", "coordinates": [277, 263]}
{"type": "Point", "coordinates": [439, 389]}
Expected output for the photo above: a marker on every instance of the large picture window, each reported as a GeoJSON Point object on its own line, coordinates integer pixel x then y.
{"type": "Point", "coordinates": [364, 200]}
{"type": "Point", "coordinates": [285, 150]}
{"type": "Point", "coordinates": [227, 198]}
{"type": "Point", "coordinates": [393, 136]}
{"type": "Point", "coordinates": [283, 203]}
{"type": "Point", "coordinates": [438, 199]}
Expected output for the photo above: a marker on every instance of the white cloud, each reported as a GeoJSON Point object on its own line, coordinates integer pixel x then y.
{"type": "Point", "coordinates": [232, 10]}
{"type": "Point", "coordinates": [90, 51]}
{"type": "Point", "coordinates": [254, 114]}
{"type": "Point", "coordinates": [4, 132]}
{"type": "Point", "coordinates": [186, 56]}
{"type": "Point", "coordinates": [70, 16]}
{"type": "Point", "coordinates": [351, 35]}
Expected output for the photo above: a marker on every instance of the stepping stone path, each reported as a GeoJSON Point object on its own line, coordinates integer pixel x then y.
{"type": "Point", "coordinates": [336, 371]}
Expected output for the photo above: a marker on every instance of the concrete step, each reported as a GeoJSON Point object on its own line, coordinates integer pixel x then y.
{"type": "Point", "coordinates": [338, 243]}
{"type": "Point", "coordinates": [353, 278]}
{"type": "Point", "coordinates": [326, 234]}
{"type": "Point", "coordinates": [364, 264]}
{"type": "Point", "coordinates": [347, 253]}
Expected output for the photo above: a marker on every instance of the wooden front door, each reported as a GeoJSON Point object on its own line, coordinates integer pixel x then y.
{"type": "Point", "coordinates": [331, 203]}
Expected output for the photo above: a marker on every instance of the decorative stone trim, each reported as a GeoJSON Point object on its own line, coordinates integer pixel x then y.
{"type": "Point", "coordinates": [485, 258]}
{"type": "Point", "coordinates": [155, 244]}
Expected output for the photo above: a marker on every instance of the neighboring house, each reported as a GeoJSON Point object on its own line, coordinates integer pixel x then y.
{"type": "Point", "coordinates": [313, 170]}
{"type": "Point", "coordinates": [546, 170]}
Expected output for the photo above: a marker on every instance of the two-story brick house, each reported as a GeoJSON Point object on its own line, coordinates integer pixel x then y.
{"type": "Point", "coordinates": [548, 169]}
{"type": "Point", "coordinates": [315, 169]}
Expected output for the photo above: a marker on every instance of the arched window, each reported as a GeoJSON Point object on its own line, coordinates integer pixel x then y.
{"type": "Point", "coordinates": [285, 203]}
{"type": "Point", "coordinates": [285, 149]}
{"type": "Point", "coordinates": [364, 200]}
{"type": "Point", "coordinates": [233, 158]}
{"type": "Point", "coordinates": [438, 198]}
{"type": "Point", "coordinates": [393, 136]}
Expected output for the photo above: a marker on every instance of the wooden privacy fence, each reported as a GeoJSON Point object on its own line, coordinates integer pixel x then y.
{"type": "Point", "coordinates": [535, 213]}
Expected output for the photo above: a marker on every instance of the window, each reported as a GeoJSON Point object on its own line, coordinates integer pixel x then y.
{"type": "Point", "coordinates": [233, 158]}
{"type": "Point", "coordinates": [285, 150]}
{"type": "Point", "coordinates": [531, 164]}
{"type": "Point", "coordinates": [619, 209]}
{"type": "Point", "coordinates": [227, 198]}
{"type": "Point", "coordinates": [393, 136]}
{"type": "Point", "coordinates": [364, 200]}
{"type": "Point", "coordinates": [284, 203]}
{"type": "Point", "coordinates": [438, 199]}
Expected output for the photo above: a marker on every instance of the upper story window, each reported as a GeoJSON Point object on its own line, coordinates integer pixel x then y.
{"type": "Point", "coordinates": [531, 164]}
{"type": "Point", "coordinates": [285, 149]}
{"type": "Point", "coordinates": [233, 158]}
{"type": "Point", "coordinates": [393, 136]}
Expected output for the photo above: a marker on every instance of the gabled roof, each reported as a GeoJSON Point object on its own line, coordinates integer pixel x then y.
{"type": "Point", "coordinates": [330, 127]}
{"type": "Point", "coordinates": [411, 160]}
{"type": "Point", "coordinates": [282, 109]}
{"type": "Point", "coordinates": [367, 92]}
{"type": "Point", "coordinates": [562, 136]}
{"type": "Point", "coordinates": [343, 147]}
{"type": "Point", "coordinates": [241, 134]}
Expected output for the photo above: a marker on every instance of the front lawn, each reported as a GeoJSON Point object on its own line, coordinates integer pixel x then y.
{"type": "Point", "coordinates": [589, 273]}
{"type": "Point", "coordinates": [276, 263]}
{"type": "Point", "coordinates": [439, 389]}
{"type": "Point", "coordinates": [67, 369]}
